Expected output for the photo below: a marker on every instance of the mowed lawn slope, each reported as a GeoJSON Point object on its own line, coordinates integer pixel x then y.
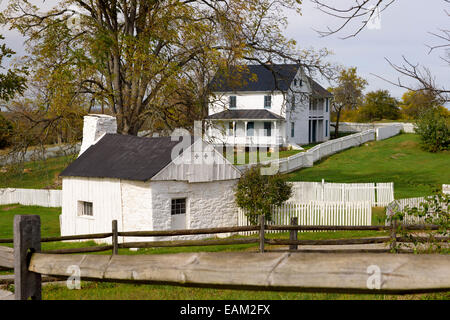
{"type": "Point", "coordinates": [398, 159]}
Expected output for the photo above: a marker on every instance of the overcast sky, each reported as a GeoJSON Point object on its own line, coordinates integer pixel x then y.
{"type": "Point", "coordinates": [404, 30]}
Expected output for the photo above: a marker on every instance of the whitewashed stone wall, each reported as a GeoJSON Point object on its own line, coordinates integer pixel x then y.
{"type": "Point", "coordinates": [208, 205]}
{"type": "Point", "coordinates": [145, 206]}
{"type": "Point", "coordinates": [136, 208]}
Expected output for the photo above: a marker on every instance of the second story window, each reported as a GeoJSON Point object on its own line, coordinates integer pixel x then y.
{"type": "Point", "coordinates": [267, 101]}
{"type": "Point", "coordinates": [250, 129]}
{"type": "Point", "coordinates": [232, 102]}
{"type": "Point", "coordinates": [327, 101]}
{"type": "Point", "coordinates": [293, 101]}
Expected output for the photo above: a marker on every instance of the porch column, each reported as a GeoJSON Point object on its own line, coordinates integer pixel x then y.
{"type": "Point", "coordinates": [275, 133]}
{"type": "Point", "coordinates": [234, 133]}
{"type": "Point", "coordinates": [245, 132]}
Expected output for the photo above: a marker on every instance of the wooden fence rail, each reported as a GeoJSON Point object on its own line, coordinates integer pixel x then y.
{"type": "Point", "coordinates": [238, 270]}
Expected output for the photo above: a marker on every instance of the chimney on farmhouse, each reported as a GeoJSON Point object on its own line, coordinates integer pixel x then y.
{"type": "Point", "coordinates": [94, 127]}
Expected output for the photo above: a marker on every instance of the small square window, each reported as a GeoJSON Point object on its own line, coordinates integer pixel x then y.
{"type": "Point", "coordinates": [85, 208]}
{"type": "Point", "coordinates": [178, 206]}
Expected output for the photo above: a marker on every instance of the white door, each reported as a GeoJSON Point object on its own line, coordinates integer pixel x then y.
{"type": "Point", "coordinates": [178, 214]}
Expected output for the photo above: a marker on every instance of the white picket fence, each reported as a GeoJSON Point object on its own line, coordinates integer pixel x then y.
{"type": "Point", "coordinates": [307, 159]}
{"type": "Point", "coordinates": [358, 127]}
{"type": "Point", "coordinates": [31, 197]}
{"type": "Point", "coordinates": [322, 150]}
{"type": "Point", "coordinates": [316, 213]}
{"type": "Point", "coordinates": [377, 194]}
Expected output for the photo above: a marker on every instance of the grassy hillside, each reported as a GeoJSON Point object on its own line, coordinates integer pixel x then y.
{"type": "Point", "coordinates": [35, 175]}
{"type": "Point", "coordinates": [398, 159]}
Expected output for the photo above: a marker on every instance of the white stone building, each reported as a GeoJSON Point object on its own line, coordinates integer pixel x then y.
{"type": "Point", "coordinates": [267, 105]}
{"type": "Point", "coordinates": [145, 183]}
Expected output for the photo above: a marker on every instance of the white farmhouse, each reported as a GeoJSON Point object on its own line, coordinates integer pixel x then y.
{"type": "Point", "coordinates": [267, 105]}
{"type": "Point", "coordinates": [145, 183]}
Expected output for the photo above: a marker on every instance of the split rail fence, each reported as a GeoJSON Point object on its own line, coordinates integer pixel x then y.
{"type": "Point", "coordinates": [239, 270]}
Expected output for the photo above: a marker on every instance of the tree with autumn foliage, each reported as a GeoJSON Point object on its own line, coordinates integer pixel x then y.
{"type": "Point", "coordinates": [379, 105]}
{"type": "Point", "coordinates": [347, 93]}
{"type": "Point", "coordinates": [150, 62]}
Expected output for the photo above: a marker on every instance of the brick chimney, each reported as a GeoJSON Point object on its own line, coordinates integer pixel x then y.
{"type": "Point", "coordinates": [94, 127]}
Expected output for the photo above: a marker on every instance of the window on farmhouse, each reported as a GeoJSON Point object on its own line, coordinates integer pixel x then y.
{"type": "Point", "coordinates": [85, 208]}
{"type": "Point", "coordinates": [232, 102]}
{"type": "Point", "coordinates": [267, 102]}
{"type": "Point", "coordinates": [178, 206]}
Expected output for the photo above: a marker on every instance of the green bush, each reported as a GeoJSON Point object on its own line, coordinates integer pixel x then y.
{"type": "Point", "coordinates": [433, 129]}
{"type": "Point", "coordinates": [6, 129]}
{"type": "Point", "coordinates": [257, 193]}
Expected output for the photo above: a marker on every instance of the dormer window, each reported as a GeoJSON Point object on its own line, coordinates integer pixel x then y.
{"type": "Point", "coordinates": [301, 82]}
{"type": "Point", "coordinates": [232, 102]}
{"type": "Point", "coordinates": [295, 82]}
{"type": "Point", "coordinates": [268, 102]}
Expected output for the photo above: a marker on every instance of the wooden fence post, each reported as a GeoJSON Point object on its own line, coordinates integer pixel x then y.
{"type": "Point", "coordinates": [393, 234]}
{"type": "Point", "coordinates": [115, 238]}
{"type": "Point", "coordinates": [293, 234]}
{"type": "Point", "coordinates": [262, 222]}
{"type": "Point", "coordinates": [27, 240]}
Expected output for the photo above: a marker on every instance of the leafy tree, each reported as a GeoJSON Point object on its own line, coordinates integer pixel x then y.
{"type": "Point", "coordinates": [13, 80]}
{"type": "Point", "coordinates": [379, 105]}
{"type": "Point", "coordinates": [6, 129]}
{"type": "Point", "coordinates": [433, 127]}
{"type": "Point", "coordinates": [256, 193]}
{"type": "Point", "coordinates": [415, 102]}
{"type": "Point", "coordinates": [347, 93]}
{"type": "Point", "coordinates": [151, 60]}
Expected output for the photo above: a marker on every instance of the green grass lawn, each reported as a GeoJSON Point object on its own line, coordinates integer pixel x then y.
{"type": "Point", "coordinates": [398, 159]}
{"type": "Point", "coordinates": [35, 175]}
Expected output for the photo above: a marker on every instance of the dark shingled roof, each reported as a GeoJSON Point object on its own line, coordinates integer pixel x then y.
{"type": "Point", "coordinates": [268, 78]}
{"type": "Point", "coordinates": [123, 157]}
{"type": "Point", "coordinates": [256, 114]}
